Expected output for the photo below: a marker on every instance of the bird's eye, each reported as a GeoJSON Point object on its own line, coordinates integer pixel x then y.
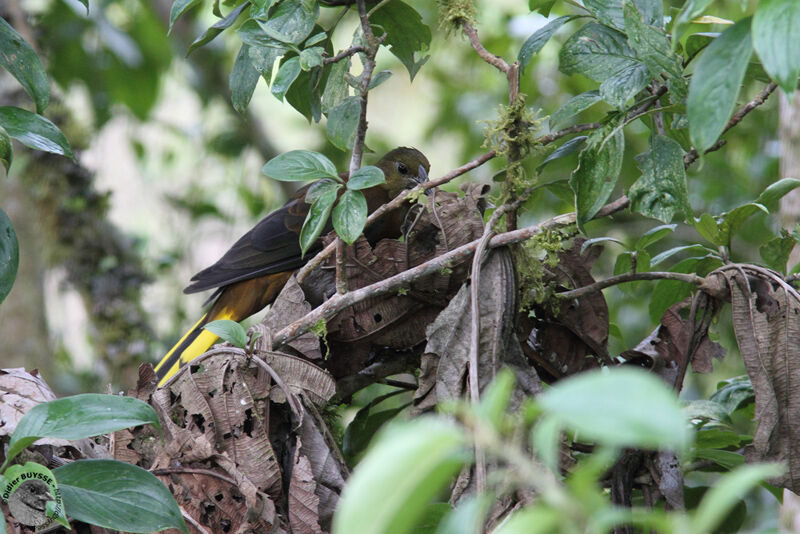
{"type": "Point", "coordinates": [402, 168]}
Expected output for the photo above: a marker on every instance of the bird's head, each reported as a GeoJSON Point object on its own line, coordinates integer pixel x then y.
{"type": "Point", "coordinates": [404, 168]}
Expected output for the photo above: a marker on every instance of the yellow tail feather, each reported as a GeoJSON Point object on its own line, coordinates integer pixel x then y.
{"type": "Point", "coordinates": [201, 341]}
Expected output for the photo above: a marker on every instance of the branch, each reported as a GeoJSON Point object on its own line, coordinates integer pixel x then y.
{"type": "Point", "coordinates": [355, 49]}
{"type": "Point", "coordinates": [578, 128]}
{"type": "Point", "coordinates": [339, 302]}
{"type": "Point", "coordinates": [487, 56]}
{"type": "Point", "coordinates": [395, 203]}
{"type": "Point", "coordinates": [760, 98]}
{"type": "Point", "coordinates": [631, 277]}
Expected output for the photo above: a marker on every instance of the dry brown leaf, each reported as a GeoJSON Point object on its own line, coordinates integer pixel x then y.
{"type": "Point", "coordinates": [766, 320]}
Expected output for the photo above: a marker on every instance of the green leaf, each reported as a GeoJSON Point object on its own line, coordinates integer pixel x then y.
{"type": "Point", "coordinates": [661, 192]}
{"type": "Point", "coordinates": [311, 57]}
{"type": "Point", "coordinates": [603, 55]}
{"type": "Point", "coordinates": [406, 35]}
{"type": "Point", "coordinates": [9, 255]}
{"type": "Point", "coordinates": [217, 28]}
{"type": "Point", "coordinates": [776, 251]}
{"type": "Point", "coordinates": [654, 235]}
{"type": "Point", "coordinates": [572, 107]}
{"type": "Point", "coordinates": [342, 123]}
{"type": "Point", "coordinates": [367, 176]}
{"type": "Point", "coordinates": [34, 131]}
{"type": "Point", "coordinates": [776, 32]}
{"type": "Point", "coordinates": [350, 215]}
{"type": "Point", "coordinates": [420, 457]}
{"type": "Point", "coordinates": [6, 150]}
{"type": "Point", "coordinates": [291, 21]}
{"type": "Point", "coordinates": [320, 188]}
{"type": "Point", "coordinates": [495, 399]}
{"type": "Point", "coordinates": [616, 407]}
{"type": "Point", "coordinates": [316, 39]}
{"type": "Point", "coordinates": [317, 219]}
{"type": "Point", "coordinates": [733, 220]}
{"type": "Point", "coordinates": [546, 441]}
{"type": "Point", "coordinates": [229, 331]}
{"type": "Point", "coordinates": [118, 496]}
{"type": "Point", "coordinates": [536, 519]}
{"type": "Point", "coordinates": [468, 516]}
{"type": "Point", "coordinates": [78, 417]}
{"type": "Point", "coordinates": [717, 438]}
{"type": "Point", "coordinates": [287, 74]}
{"type": "Point", "coordinates": [570, 147]}
{"type": "Point", "coordinates": [706, 225]}
{"type": "Point", "coordinates": [690, 11]}
{"type": "Point", "coordinates": [536, 42]}
{"type": "Point", "coordinates": [697, 42]}
{"type": "Point", "coordinates": [542, 6]}
{"type": "Point", "coordinates": [734, 392]}
{"type": "Point", "coordinates": [727, 491]}
{"type": "Point", "coordinates": [305, 94]}
{"type": "Point", "coordinates": [19, 59]}
{"type": "Point", "coordinates": [599, 166]}
{"type": "Point", "coordinates": [653, 48]}
{"type": "Point", "coordinates": [363, 427]}
{"type": "Point", "coordinates": [243, 79]}
{"type": "Point", "coordinates": [336, 89]}
{"type": "Point", "coordinates": [776, 191]}
{"type": "Point", "coordinates": [179, 7]}
{"type": "Point", "coordinates": [299, 166]}
{"type": "Point", "coordinates": [378, 79]}
{"type": "Point", "coordinates": [727, 459]}
{"type": "Point", "coordinates": [610, 12]}
{"type": "Point", "coordinates": [715, 84]}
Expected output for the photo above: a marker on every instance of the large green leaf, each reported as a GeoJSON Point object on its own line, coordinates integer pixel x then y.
{"type": "Point", "coordinates": [690, 11]}
{"type": "Point", "coordinates": [291, 21]}
{"type": "Point", "coordinates": [621, 408]}
{"type": "Point", "coordinates": [217, 28]}
{"type": "Point", "coordinates": [9, 255]}
{"type": "Point", "coordinates": [287, 74]}
{"type": "Point", "coordinates": [342, 123]}
{"type": "Point", "coordinates": [407, 36]}
{"type": "Point", "coordinates": [715, 84]}
{"type": "Point", "coordinates": [776, 191]}
{"type": "Point", "coordinates": [19, 58]}
{"type": "Point", "coordinates": [34, 131]}
{"type": "Point", "coordinates": [78, 417]}
{"type": "Point", "coordinates": [243, 79]}
{"type": "Point", "coordinates": [661, 192]}
{"type": "Point", "coordinates": [727, 492]}
{"type": "Point", "coordinates": [179, 7]}
{"type": "Point", "coordinates": [610, 12]}
{"type": "Point", "coordinates": [350, 215]}
{"type": "Point", "coordinates": [299, 166]}
{"type": "Point", "coordinates": [367, 176]}
{"type": "Point", "coordinates": [317, 218]}
{"type": "Point", "coordinates": [119, 496]}
{"type": "Point", "coordinates": [570, 147]}
{"type": "Point", "coordinates": [407, 466]}
{"type": "Point", "coordinates": [572, 107]}
{"type": "Point", "coordinates": [776, 33]}
{"type": "Point", "coordinates": [653, 48]}
{"type": "Point", "coordinates": [603, 55]}
{"type": "Point", "coordinates": [336, 89]}
{"type": "Point", "coordinates": [538, 39]}
{"type": "Point", "coordinates": [599, 166]}
{"type": "Point", "coordinates": [6, 150]}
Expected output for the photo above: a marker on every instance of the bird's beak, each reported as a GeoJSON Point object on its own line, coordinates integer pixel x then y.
{"type": "Point", "coordinates": [422, 175]}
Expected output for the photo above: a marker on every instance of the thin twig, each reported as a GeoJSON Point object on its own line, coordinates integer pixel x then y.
{"type": "Point", "coordinates": [760, 98]}
{"type": "Point", "coordinates": [194, 471]}
{"type": "Point", "coordinates": [347, 52]}
{"type": "Point", "coordinates": [487, 56]}
{"type": "Point", "coordinates": [337, 303]}
{"type": "Point", "coordinates": [631, 277]}
{"type": "Point", "coordinates": [395, 203]}
{"type": "Point", "coordinates": [341, 266]}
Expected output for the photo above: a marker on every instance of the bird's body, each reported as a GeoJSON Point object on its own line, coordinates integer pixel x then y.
{"type": "Point", "coordinates": [251, 274]}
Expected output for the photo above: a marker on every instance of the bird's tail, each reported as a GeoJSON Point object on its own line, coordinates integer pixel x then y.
{"type": "Point", "coordinates": [193, 343]}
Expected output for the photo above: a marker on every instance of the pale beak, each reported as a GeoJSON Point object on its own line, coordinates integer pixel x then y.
{"type": "Point", "coordinates": [422, 175]}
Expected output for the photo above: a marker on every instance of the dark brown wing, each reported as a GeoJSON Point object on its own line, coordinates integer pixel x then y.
{"type": "Point", "coordinates": [271, 246]}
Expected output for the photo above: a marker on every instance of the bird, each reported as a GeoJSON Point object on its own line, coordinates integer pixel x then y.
{"type": "Point", "coordinates": [251, 274]}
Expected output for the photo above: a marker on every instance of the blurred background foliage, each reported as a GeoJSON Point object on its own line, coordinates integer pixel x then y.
{"type": "Point", "coordinates": [181, 167]}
